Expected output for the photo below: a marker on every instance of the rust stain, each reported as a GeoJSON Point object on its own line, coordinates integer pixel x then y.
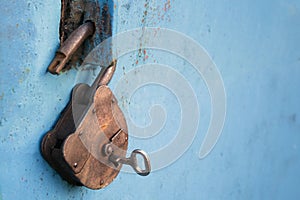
{"type": "Point", "coordinates": [166, 9]}
{"type": "Point", "coordinates": [104, 126]}
{"type": "Point", "coordinates": [167, 6]}
{"type": "Point", "coordinates": [163, 13]}
{"type": "Point", "coordinates": [144, 23]}
{"type": "Point", "coordinates": [145, 55]}
{"type": "Point", "coordinates": [152, 15]}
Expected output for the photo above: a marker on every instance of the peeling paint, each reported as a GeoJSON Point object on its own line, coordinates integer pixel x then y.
{"type": "Point", "coordinates": [153, 14]}
{"type": "Point", "coordinates": [167, 6]}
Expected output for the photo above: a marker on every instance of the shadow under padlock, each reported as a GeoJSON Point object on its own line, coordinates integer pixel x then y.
{"type": "Point", "coordinates": [89, 142]}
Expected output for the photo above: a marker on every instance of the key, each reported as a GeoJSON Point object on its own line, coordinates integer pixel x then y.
{"type": "Point", "coordinates": [132, 160]}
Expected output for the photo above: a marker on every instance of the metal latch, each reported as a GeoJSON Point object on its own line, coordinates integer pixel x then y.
{"type": "Point", "coordinates": [83, 25]}
{"type": "Point", "coordinates": [68, 48]}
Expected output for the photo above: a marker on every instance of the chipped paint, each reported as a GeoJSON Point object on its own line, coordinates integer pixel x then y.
{"type": "Point", "coordinates": [153, 14]}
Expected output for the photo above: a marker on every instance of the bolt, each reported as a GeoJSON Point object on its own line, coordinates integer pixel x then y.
{"type": "Point", "coordinates": [75, 165]}
{"type": "Point", "coordinates": [94, 111]}
{"type": "Point", "coordinates": [101, 182]}
{"type": "Point", "coordinates": [113, 100]}
{"type": "Point", "coordinates": [80, 133]}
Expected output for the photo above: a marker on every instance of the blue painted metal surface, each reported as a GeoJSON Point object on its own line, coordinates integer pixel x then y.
{"type": "Point", "coordinates": [255, 45]}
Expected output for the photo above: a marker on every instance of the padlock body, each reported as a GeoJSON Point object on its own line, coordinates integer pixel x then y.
{"type": "Point", "coordinates": [76, 152]}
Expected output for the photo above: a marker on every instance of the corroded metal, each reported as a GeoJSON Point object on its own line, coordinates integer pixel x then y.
{"type": "Point", "coordinates": [88, 144]}
{"type": "Point", "coordinates": [70, 46]}
{"type": "Point", "coordinates": [82, 150]}
{"type": "Point", "coordinates": [74, 13]}
{"type": "Point", "coordinates": [51, 146]}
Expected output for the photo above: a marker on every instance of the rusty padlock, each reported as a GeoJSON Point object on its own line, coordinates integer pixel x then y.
{"type": "Point", "coordinates": [89, 142]}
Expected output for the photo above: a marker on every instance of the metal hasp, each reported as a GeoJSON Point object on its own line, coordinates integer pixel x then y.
{"type": "Point", "coordinates": [68, 48]}
{"type": "Point", "coordinates": [89, 142]}
{"type": "Point", "coordinates": [83, 25]}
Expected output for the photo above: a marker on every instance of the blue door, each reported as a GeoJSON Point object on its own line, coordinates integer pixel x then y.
{"type": "Point", "coordinates": [210, 89]}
